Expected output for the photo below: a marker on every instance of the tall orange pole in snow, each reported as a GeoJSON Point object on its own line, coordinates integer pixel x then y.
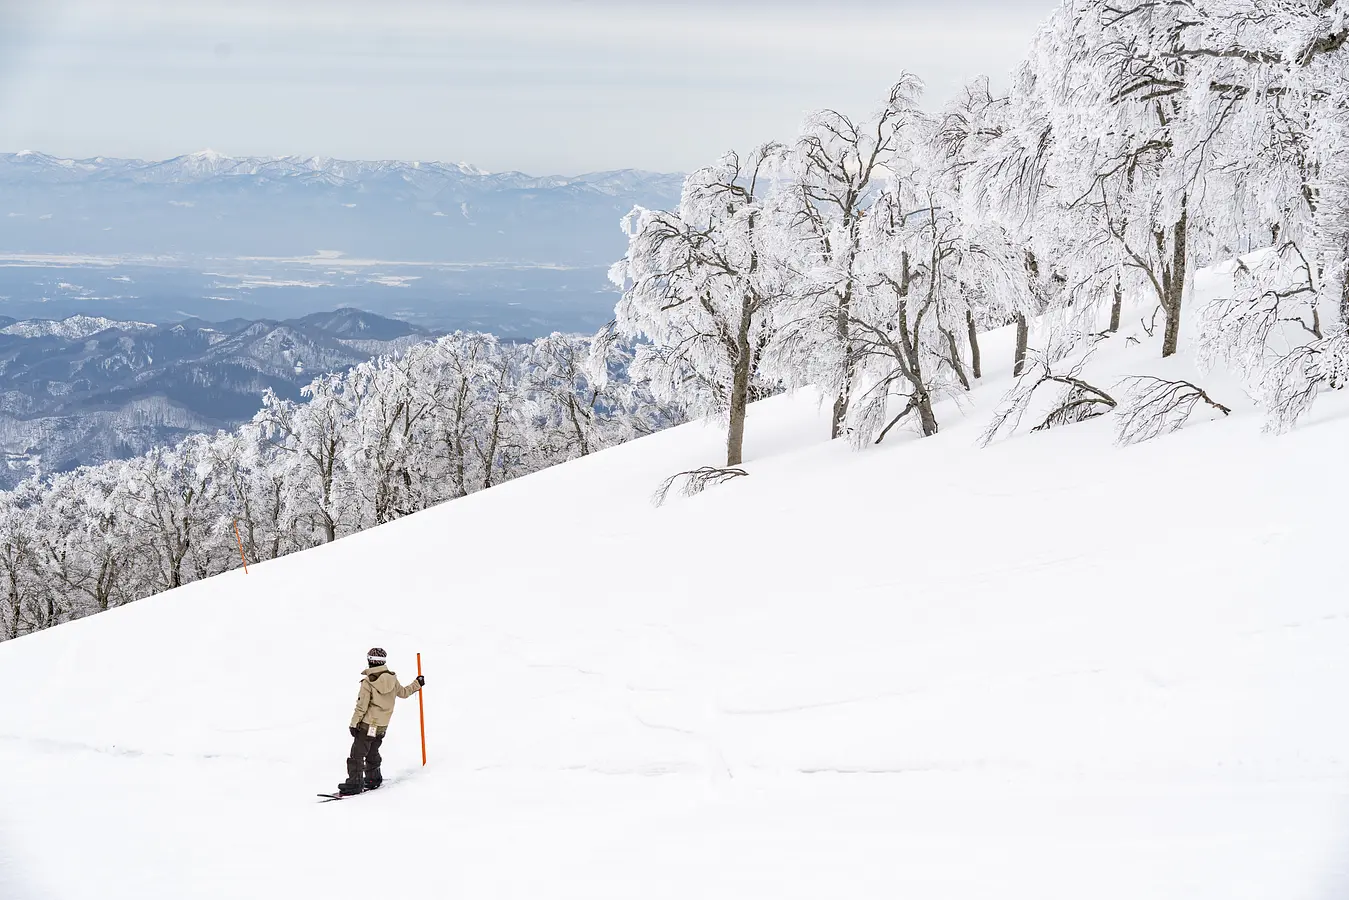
{"type": "Point", "coordinates": [243, 558]}
{"type": "Point", "coordinates": [421, 709]}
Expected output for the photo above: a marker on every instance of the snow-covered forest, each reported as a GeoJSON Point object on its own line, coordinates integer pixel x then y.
{"type": "Point", "coordinates": [1139, 141]}
{"type": "Point", "coordinates": [387, 438]}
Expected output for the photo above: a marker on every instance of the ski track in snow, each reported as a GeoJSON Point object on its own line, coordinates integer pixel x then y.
{"type": "Point", "coordinates": [132, 752]}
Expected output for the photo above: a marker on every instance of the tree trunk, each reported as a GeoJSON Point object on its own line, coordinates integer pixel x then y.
{"type": "Point", "coordinates": [742, 367]}
{"type": "Point", "coordinates": [1172, 334]}
{"type": "Point", "coordinates": [840, 412]}
{"type": "Point", "coordinates": [1022, 338]}
{"type": "Point", "coordinates": [1116, 308]}
{"type": "Point", "coordinates": [489, 458]}
{"type": "Point", "coordinates": [581, 441]}
{"type": "Point", "coordinates": [911, 364]}
{"type": "Point", "coordinates": [277, 504]}
{"type": "Point", "coordinates": [327, 463]}
{"type": "Point", "coordinates": [844, 329]}
{"type": "Point", "coordinates": [1344, 298]}
{"type": "Point", "coordinates": [15, 599]}
{"type": "Point", "coordinates": [1173, 284]}
{"type": "Point", "coordinates": [926, 417]}
{"type": "Point", "coordinates": [103, 586]}
{"type": "Point", "coordinates": [953, 350]}
{"type": "Point", "coordinates": [176, 567]}
{"type": "Point", "coordinates": [735, 433]}
{"type": "Point", "coordinates": [974, 345]}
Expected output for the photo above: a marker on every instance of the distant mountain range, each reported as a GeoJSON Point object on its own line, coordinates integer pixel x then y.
{"type": "Point", "coordinates": [145, 300]}
{"type": "Point", "coordinates": [206, 204]}
{"type": "Point", "coordinates": [73, 328]}
{"type": "Point", "coordinates": [86, 389]}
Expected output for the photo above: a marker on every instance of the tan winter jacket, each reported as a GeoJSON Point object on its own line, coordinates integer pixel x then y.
{"type": "Point", "coordinates": [374, 704]}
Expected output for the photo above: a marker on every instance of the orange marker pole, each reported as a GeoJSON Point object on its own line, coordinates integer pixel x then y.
{"type": "Point", "coordinates": [421, 710]}
{"type": "Point", "coordinates": [241, 546]}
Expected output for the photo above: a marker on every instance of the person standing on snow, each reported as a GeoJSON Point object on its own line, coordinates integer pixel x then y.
{"type": "Point", "coordinates": [374, 708]}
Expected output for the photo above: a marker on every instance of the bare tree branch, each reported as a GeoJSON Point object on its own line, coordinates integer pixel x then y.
{"type": "Point", "coordinates": [1156, 406]}
{"type": "Point", "coordinates": [695, 481]}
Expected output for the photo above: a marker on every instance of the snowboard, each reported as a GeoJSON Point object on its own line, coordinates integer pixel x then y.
{"type": "Point", "coordinates": [328, 797]}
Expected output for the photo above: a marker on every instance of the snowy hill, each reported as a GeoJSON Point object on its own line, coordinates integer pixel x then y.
{"type": "Point", "coordinates": [1047, 669]}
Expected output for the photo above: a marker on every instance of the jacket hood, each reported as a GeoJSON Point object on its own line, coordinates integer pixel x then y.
{"type": "Point", "coordinates": [375, 670]}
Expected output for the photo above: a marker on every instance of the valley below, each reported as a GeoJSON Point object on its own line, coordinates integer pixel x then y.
{"type": "Point", "coordinates": [517, 300]}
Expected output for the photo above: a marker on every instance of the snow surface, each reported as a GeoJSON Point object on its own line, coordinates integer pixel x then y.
{"type": "Point", "coordinates": [1049, 669]}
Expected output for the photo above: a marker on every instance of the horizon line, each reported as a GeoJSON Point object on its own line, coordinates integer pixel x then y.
{"type": "Point", "coordinates": [208, 153]}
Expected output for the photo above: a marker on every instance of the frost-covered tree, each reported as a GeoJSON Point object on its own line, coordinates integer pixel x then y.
{"type": "Point", "coordinates": [499, 445]}
{"type": "Point", "coordinates": [1278, 69]}
{"type": "Point", "coordinates": [86, 549]}
{"type": "Point", "coordinates": [312, 438]}
{"type": "Point", "coordinates": [394, 399]}
{"type": "Point", "coordinates": [700, 285]}
{"type": "Point", "coordinates": [959, 138]}
{"type": "Point", "coordinates": [1028, 253]}
{"type": "Point", "coordinates": [1126, 164]}
{"type": "Point", "coordinates": [629, 404]}
{"type": "Point", "coordinates": [922, 269]}
{"type": "Point", "coordinates": [170, 494]}
{"type": "Point", "coordinates": [23, 605]}
{"type": "Point", "coordinates": [561, 398]}
{"type": "Point", "coordinates": [254, 491]}
{"type": "Point", "coordinates": [895, 319]}
{"type": "Point", "coordinates": [455, 361]}
{"type": "Point", "coordinates": [838, 169]}
{"type": "Point", "coordinates": [578, 397]}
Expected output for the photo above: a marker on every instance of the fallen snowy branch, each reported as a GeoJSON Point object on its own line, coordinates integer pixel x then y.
{"type": "Point", "coordinates": [1079, 401]}
{"type": "Point", "coordinates": [695, 481]}
{"type": "Point", "coordinates": [1156, 406]}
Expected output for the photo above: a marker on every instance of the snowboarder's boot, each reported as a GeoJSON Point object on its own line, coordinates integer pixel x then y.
{"type": "Point", "coordinates": [353, 784]}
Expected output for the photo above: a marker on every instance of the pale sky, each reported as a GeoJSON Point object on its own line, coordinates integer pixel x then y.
{"type": "Point", "coordinates": [542, 86]}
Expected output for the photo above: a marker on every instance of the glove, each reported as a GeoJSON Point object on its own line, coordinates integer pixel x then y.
{"type": "Point", "coordinates": [355, 732]}
{"type": "Point", "coordinates": [421, 680]}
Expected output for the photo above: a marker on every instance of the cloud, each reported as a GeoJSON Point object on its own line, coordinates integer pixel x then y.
{"type": "Point", "coordinates": [539, 85]}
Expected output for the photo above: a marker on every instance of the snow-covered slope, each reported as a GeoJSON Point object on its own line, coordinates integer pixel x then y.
{"type": "Point", "coordinates": [1048, 669]}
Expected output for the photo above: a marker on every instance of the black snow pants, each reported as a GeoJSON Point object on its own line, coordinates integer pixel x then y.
{"type": "Point", "coordinates": [364, 760]}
